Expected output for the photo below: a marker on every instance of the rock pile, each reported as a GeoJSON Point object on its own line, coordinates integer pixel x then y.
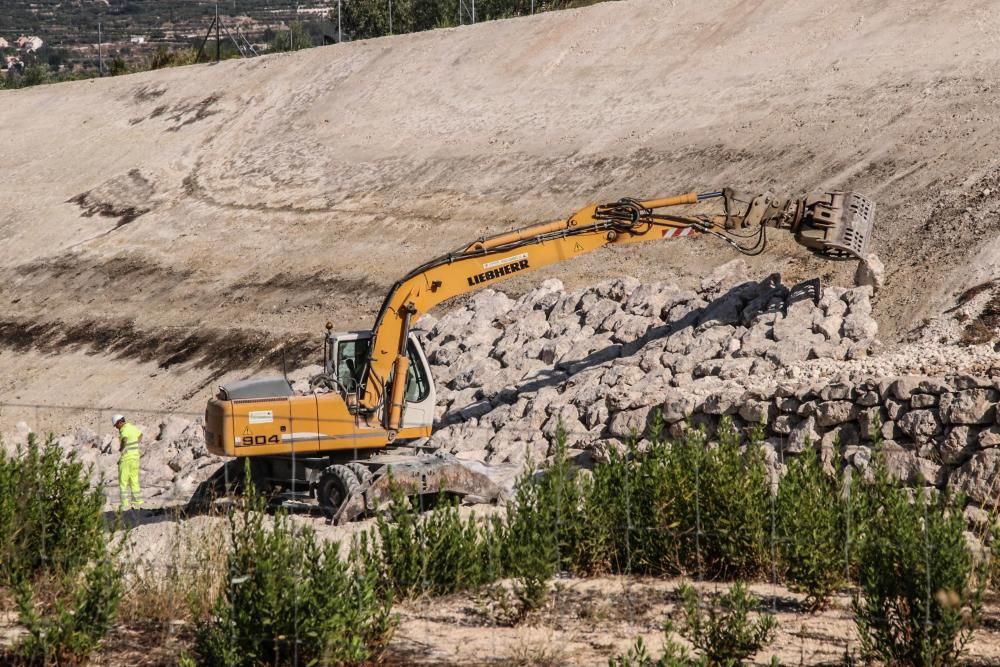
{"type": "Point", "coordinates": [174, 458]}
{"type": "Point", "coordinates": [602, 360]}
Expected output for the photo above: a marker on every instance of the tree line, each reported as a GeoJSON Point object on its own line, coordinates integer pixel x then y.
{"type": "Point", "coordinates": [364, 19]}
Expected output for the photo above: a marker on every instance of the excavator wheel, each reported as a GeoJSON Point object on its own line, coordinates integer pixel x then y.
{"type": "Point", "coordinates": [336, 485]}
{"type": "Point", "coordinates": [362, 472]}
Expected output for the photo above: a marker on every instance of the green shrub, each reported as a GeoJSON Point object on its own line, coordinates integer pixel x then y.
{"type": "Point", "coordinates": [67, 632]}
{"type": "Point", "coordinates": [291, 599]}
{"type": "Point", "coordinates": [633, 511]}
{"type": "Point", "coordinates": [994, 564]}
{"type": "Point", "coordinates": [54, 552]}
{"type": "Point", "coordinates": [545, 524]}
{"type": "Point", "coordinates": [117, 66]}
{"type": "Point", "coordinates": [920, 596]}
{"type": "Point", "coordinates": [296, 38]}
{"type": "Point", "coordinates": [729, 629]}
{"type": "Point", "coordinates": [36, 74]}
{"type": "Point", "coordinates": [734, 504]}
{"type": "Point", "coordinates": [810, 528]}
{"type": "Point", "coordinates": [51, 517]}
{"type": "Point", "coordinates": [439, 553]}
{"type": "Point", "coordinates": [677, 507]}
{"type": "Point", "coordinates": [532, 535]}
{"type": "Point", "coordinates": [602, 545]}
{"type": "Point", "coordinates": [674, 654]}
{"type": "Point", "coordinates": [165, 57]}
{"type": "Point", "coordinates": [726, 631]}
{"type": "Point", "coordinates": [636, 656]}
{"type": "Point", "coordinates": [435, 552]}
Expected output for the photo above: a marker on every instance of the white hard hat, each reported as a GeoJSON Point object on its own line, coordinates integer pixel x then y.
{"type": "Point", "coordinates": [117, 418]}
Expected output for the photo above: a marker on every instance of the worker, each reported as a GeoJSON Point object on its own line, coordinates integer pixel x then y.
{"type": "Point", "coordinates": [129, 438]}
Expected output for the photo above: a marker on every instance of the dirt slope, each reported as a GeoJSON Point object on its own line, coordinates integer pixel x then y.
{"type": "Point", "coordinates": [178, 226]}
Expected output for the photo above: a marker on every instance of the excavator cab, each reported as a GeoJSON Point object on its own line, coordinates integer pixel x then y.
{"type": "Point", "coordinates": [347, 357]}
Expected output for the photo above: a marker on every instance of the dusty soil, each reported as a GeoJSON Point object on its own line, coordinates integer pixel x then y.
{"type": "Point", "coordinates": [182, 225]}
{"type": "Point", "coordinates": [588, 621]}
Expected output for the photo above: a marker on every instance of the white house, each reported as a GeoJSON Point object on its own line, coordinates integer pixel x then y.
{"type": "Point", "coordinates": [29, 44]}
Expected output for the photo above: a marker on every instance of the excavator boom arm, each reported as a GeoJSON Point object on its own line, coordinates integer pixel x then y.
{"type": "Point", "coordinates": [816, 221]}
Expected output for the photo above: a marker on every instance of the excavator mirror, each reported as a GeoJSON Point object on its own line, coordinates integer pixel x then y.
{"type": "Point", "coordinates": [837, 225]}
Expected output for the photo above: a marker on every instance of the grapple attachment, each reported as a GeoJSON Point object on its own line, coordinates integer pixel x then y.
{"type": "Point", "coordinates": [837, 225]}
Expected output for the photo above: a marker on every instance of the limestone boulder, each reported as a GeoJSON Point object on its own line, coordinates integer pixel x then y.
{"type": "Point", "coordinates": [792, 350]}
{"type": "Point", "coordinates": [171, 428]}
{"type": "Point", "coordinates": [726, 276]}
{"type": "Point", "coordinates": [958, 445]}
{"type": "Point", "coordinates": [803, 435]}
{"type": "Point", "coordinates": [596, 310]}
{"type": "Point", "coordinates": [617, 289]}
{"type": "Point", "coordinates": [989, 437]}
{"type": "Point", "coordinates": [859, 327]}
{"type": "Point", "coordinates": [870, 419]}
{"type": "Point", "coordinates": [979, 479]}
{"type": "Point", "coordinates": [831, 413]}
{"type": "Point", "coordinates": [858, 299]}
{"type": "Point", "coordinates": [489, 304]}
{"type": "Point", "coordinates": [648, 300]}
{"type": "Point", "coordinates": [722, 403]}
{"type": "Point", "coordinates": [677, 406]}
{"type": "Point", "coordinates": [920, 424]}
{"type": "Point", "coordinates": [841, 436]}
{"type": "Point", "coordinates": [628, 424]}
{"type": "Point", "coordinates": [626, 328]}
{"type": "Point", "coordinates": [902, 388]}
{"type": "Point", "coordinates": [870, 272]}
{"type": "Point", "coordinates": [757, 411]}
{"type": "Point", "coordinates": [972, 406]}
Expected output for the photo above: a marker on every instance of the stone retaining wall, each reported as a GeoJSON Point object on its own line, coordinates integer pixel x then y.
{"type": "Point", "coordinates": [935, 431]}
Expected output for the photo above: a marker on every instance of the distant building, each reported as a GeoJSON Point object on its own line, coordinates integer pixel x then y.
{"type": "Point", "coordinates": [29, 44]}
{"type": "Point", "coordinates": [11, 64]}
{"type": "Point", "coordinates": [137, 39]}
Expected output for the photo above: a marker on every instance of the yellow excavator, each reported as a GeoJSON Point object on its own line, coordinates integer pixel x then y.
{"type": "Point", "coordinates": [341, 442]}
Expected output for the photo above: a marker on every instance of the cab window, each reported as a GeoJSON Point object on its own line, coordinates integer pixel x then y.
{"type": "Point", "coordinates": [417, 385]}
{"type": "Point", "coordinates": [352, 357]}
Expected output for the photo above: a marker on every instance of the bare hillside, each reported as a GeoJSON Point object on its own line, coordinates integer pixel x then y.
{"type": "Point", "coordinates": [168, 229]}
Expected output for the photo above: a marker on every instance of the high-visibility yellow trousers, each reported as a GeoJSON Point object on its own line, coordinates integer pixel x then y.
{"type": "Point", "coordinates": [128, 480]}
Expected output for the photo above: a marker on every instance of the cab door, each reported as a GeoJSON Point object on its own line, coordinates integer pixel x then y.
{"type": "Point", "coordinates": [420, 395]}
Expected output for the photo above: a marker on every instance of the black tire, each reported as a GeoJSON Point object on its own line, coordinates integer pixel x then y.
{"type": "Point", "coordinates": [336, 485]}
{"type": "Point", "coordinates": [362, 472]}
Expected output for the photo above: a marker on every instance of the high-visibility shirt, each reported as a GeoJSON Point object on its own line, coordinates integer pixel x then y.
{"type": "Point", "coordinates": [129, 437]}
